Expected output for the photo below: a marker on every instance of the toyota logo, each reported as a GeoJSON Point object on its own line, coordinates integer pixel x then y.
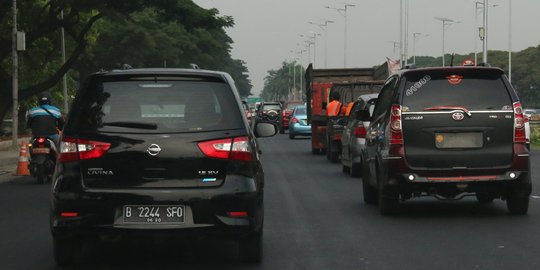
{"type": "Point", "coordinates": [153, 149]}
{"type": "Point", "coordinates": [458, 116]}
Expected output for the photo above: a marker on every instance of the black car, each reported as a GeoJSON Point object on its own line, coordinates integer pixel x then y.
{"type": "Point", "coordinates": [353, 139]}
{"type": "Point", "coordinates": [447, 132]}
{"type": "Point", "coordinates": [269, 112]}
{"type": "Point", "coordinates": [158, 151]}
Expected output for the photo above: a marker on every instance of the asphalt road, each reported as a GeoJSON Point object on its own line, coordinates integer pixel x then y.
{"type": "Point", "coordinates": [315, 219]}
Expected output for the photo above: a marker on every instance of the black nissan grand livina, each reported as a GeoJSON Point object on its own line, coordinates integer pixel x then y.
{"type": "Point", "coordinates": [158, 151]}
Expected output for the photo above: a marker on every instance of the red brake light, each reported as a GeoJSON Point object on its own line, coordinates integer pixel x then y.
{"type": "Point", "coordinates": [41, 140]}
{"type": "Point", "coordinates": [72, 149]}
{"type": "Point", "coordinates": [233, 148]}
{"type": "Point", "coordinates": [69, 214]}
{"type": "Point", "coordinates": [395, 125]}
{"type": "Point", "coordinates": [360, 132]}
{"type": "Point", "coordinates": [237, 214]}
{"type": "Point", "coordinates": [519, 124]}
{"type": "Point", "coordinates": [294, 120]}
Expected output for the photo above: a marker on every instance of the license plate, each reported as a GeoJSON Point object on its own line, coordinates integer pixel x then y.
{"type": "Point", "coordinates": [154, 214]}
{"type": "Point", "coordinates": [459, 140]}
{"type": "Point", "coordinates": [41, 150]}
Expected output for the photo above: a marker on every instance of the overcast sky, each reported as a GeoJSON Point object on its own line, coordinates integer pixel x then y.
{"type": "Point", "coordinates": [267, 30]}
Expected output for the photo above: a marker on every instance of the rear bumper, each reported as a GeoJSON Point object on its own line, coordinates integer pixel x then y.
{"type": "Point", "coordinates": [100, 212]}
{"type": "Point", "coordinates": [400, 172]}
{"type": "Point", "coordinates": [298, 129]}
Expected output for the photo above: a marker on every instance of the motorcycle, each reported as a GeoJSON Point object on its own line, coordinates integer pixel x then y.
{"type": "Point", "coordinates": [42, 158]}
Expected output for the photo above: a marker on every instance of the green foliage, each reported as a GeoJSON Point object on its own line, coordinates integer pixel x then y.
{"type": "Point", "coordinates": [106, 34]}
{"type": "Point", "coordinates": [535, 135]}
{"type": "Point", "coordinates": [279, 83]}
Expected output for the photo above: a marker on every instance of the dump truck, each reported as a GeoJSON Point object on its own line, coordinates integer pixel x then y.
{"type": "Point", "coordinates": [351, 83]}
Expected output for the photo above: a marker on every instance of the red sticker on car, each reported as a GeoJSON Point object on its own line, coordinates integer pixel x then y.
{"type": "Point", "coordinates": [454, 79]}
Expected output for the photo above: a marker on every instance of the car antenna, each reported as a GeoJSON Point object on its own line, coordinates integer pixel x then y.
{"type": "Point", "coordinates": [452, 60]}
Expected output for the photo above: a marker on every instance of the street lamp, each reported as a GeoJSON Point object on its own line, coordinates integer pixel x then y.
{"type": "Point", "coordinates": [445, 22]}
{"type": "Point", "coordinates": [397, 44]}
{"type": "Point", "coordinates": [324, 27]}
{"type": "Point", "coordinates": [415, 36]}
{"type": "Point", "coordinates": [478, 6]}
{"type": "Point", "coordinates": [312, 41]}
{"type": "Point", "coordinates": [343, 12]}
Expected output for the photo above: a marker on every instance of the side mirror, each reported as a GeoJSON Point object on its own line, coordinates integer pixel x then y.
{"type": "Point", "coordinates": [265, 129]}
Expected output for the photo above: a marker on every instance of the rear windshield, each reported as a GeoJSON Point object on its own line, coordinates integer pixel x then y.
{"type": "Point", "coordinates": [300, 110]}
{"type": "Point", "coordinates": [472, 90]}
{"type": "Point", "coordinates": [268, 107]}
{"type": "Point", "coordinates": [159, 107]}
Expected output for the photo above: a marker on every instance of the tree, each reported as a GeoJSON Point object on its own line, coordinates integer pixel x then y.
{"type": "Point", "coordinates": [278, 83]}
{"type": "Point", "coordinates": [98, 33]}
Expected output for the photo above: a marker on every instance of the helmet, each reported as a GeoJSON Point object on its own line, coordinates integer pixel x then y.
{"type": "Point", "coordinates": [336, 96]}
{"type": "Point", "coordinates": [44, 98]}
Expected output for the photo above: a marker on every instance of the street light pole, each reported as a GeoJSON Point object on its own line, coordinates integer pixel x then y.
{"type": "Point", "coordinates": [15, 82]}
{"type": "Point", "coordinates": [445, 22]}
{"type": "Point", "coordinates": [343, 12]}
{"type": "Point", "coordinates": [484, 55]}
{"type": "Point", "coordinates": [324, 27]}
{"type": "Point", "coordinates": [510, 40]}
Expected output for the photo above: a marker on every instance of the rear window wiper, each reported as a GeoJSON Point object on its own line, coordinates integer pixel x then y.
{"type": "Point", "coordinates": [126, 124]}
{"type": "Point", "coordinates": [446, 108]}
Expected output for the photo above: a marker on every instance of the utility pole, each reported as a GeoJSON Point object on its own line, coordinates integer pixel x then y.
{"type": "Point", "coordinates": [15, 81]}
{"type": "Point", "coordinates": [64, 82]}
{"type": "Point", "coordinates": [343, 12]}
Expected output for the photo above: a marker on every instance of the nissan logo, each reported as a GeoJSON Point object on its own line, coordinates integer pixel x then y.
{"type": "Point", "coordinates": [458, 116]}
{"type": "Point", "coordinates": [153, 149]}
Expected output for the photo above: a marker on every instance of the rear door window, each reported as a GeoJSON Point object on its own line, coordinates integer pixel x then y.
{"type": "Point", "coordinates": [158, 107]}
{"type": "Point", "coordinates": [469, 89]}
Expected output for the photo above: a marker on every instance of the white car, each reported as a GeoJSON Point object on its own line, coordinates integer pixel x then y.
{"type": "Point", "coordinates": [528, 113]}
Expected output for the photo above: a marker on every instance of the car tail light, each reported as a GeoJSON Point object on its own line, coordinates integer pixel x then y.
{"type": "Point", "coordinates": [69, 214]}
{"type": "Point", "coordinates": [395, 125]}
{"type": "Point", "coordinates": [360, 132]}
{"type": "Point", "coordinates": [230, 148]}
{"type": "Point", "coordinates": [519, 124]}
{"type": "Point", "coordinates": [294, 120]}
{"type": "Point", "coordinates": [72, 149]}
{"type": "Point", "coordinates": [283, 113]}
{"type": "Point", "coordinates": [41, 140]}
{"type": "Point", "coordinates": [238, 214]}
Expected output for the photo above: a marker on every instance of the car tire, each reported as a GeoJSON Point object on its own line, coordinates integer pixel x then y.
{"type": "Point", "coordinates": [517, 201]}
{"type": "Point", "coordinates": [345, 169]}
{"type": "Point", "coordinates": [388, 197]}
{"type": "Point", "coordinates": [484, 197]}
{"type": "Point", "coordinates": [315, 151]}
{"type": "Point", "coordinates": [291, 136]}
{"type": "Point", "coordinates": [356, 170]}
{"type": "Point", "coordinates": [250, 248]}
{"type": "Point", "coordinates": [369, 192]}
{"type": "Point", "coordinates": [67, 251]}
{"type": "Point", "coordinates": [334, 157]}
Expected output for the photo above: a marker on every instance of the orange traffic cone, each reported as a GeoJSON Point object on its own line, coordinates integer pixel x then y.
{"type": "Point", "coordinates": [22, 166]}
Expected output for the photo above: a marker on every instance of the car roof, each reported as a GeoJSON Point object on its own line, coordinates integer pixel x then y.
{"type": "Point", "coordinates": [163, 71]}
{"type": "Point", "coordinates": [454, 68]}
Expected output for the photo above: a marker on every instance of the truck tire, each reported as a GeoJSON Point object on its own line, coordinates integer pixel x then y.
{"type": "Point", "coordinates": [345, 169]}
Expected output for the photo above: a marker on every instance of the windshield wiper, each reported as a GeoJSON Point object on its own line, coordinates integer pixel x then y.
{"type": "Point", "coordinates": [125, 124]}
{"type": "Point", "coordinates": [446, 108]}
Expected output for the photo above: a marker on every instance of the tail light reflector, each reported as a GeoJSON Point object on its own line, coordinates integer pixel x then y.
{"type": "Point", "coordinates": [238, 214]}
{"type": "Point", "coordinates": [360, 132]}
{"type": "Point", "coordinates": [519, 124]}
{"type": "Point", "coordinates": [294, 120]}
{"type": "Point", "coordinates": [69, 214]}
{"type": "Point", "coordinates": [231, 148]}
{"type": "Point", "coordinates": [72, 149]}
{"type": "Point", "coordinates": [395, 125]}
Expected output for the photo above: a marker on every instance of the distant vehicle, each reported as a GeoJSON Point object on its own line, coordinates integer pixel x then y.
{"type": "Point", "coordinates": [447, 132]}
{"type": "Point", "coordinates": [288, 107]}
{"type": "Point", "coordinates": [349, 92]}
{"type": "Point", "coordinates": [353, 139]}
{"type": "Point", "coordinates": [298, 125]}
{"type": "Point", "coordinates": [158, 152]}
{"type": "Point", "coordinates": [269, 112]}
{"type": "Point", "coordinates": [319, 82]}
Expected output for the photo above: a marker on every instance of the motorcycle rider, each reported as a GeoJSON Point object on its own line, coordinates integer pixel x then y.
{"type": "Point", "coordinates": [45, 120]}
